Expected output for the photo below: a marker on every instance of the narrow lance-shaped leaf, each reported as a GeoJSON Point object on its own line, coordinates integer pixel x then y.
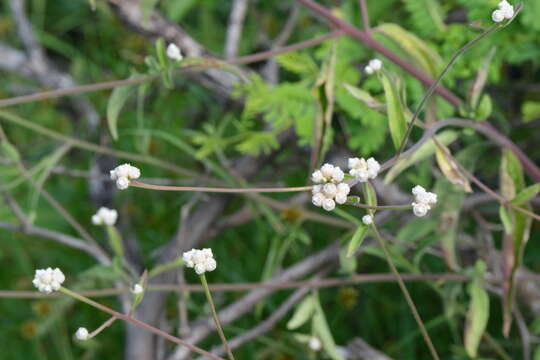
{"type": "Point", "coordinates": [321, 329]}
{"type": "Point", "coordinates": [395, 109]}
{"type": "Point", "coordinates": [478, 313]}
{"type": "Point", "coordinates": [357, 239]}
{"type": "Point", "coordinates": [304, 312]}
{"type": "Point", "coordinates": [526, 194]}
{"type": "Point", "coordinates": [116, 102]}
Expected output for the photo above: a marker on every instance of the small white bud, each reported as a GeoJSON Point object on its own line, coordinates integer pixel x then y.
{"type": "Point", "coordinates": [200, 268]}
{"type": "Point", "coordinates": [418, 190]}
{"type": "Point", "coordinates": [211, 265]}
{"type": "Point", "coordinates": [330, 190]}
{"type": "Point", "coordinates": [341, 198]}
{"type": "Point", "coordinates": [337, 175]}
{"type": "Point", "coordinates": [201, 260]}
{"type": "Point", "coordinates": [317, 199]}
{"type": "Point", "coordinates": [343, 188]}
{"type": "Point", "coordinates": [497, 16]}
{"type": "Point", "coordinates": [367, 219]}
{"type": "Point", "coordinates": [317, 176]}
{"type": "Point", "coordinates": [122, 183]}
{"type": "Point", "coordinates": [327, 171]}
{"type": "Point", "coordinates": [375, 64]}
{"type": "Point", "coordinates": [420, 209]}
{"type": "Point", "coordinates": [137, 289]}
{"type": "Point", "coordinates": [82, 334]}
{"type": "Point", "coordinates": [328, 204]}
{"type": "Point", "coordinates": [315, 344]}
{"type": "Point", "coordinates": [369, 70]}
{"type": "Point", "coordinates": [174, 53]}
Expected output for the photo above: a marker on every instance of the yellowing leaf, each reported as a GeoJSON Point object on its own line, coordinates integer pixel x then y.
{"type": "Point", "coordinates": [449, 168]}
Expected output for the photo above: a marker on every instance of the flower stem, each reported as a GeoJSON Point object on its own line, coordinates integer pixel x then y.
{"type": "Point", "coordinates": [401, 283]}
{"type": "Point", "coordinates": [216, 319]}
{"type": "Point", "coordinates": [144, 325]}
{"type": "Point", "coordinates": [218, 190]}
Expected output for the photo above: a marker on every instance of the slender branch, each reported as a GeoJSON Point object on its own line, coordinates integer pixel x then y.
{"type": "Point", "coordinates": [401, 284]}
{"type": "Point", "coordinates": [216, 318]}
{"type": "Point", "coordinates": [131, 319]}
{"type": "Point", "coordinates": [437, 81]}
{"type": "Point", "coordinates": [234, 29]}
{"type": "Point", "coordinates": [141, 185]}
{"type": "Point", "coordinates": [278, 285]}
{"type": "Point", "coordinates": [378, 47]}
{"type": "Point", "coordinates": [365, 15]}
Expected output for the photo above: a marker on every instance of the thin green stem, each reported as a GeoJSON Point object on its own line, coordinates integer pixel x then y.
{"type": "Point", "coordinates": [144, 325]}
{"type": "Point", "coordinates": [401, 283]}
{"type": "Point", "coordinates": [434, 85]}
{"type": "Point", "coordinates": [215, 316]}
{"type": "Point", "coordinates": [218, 190]}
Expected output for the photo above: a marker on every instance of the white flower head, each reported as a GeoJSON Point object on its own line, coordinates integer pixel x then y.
{"type": "Point", "coordinates": [123, 174]}
{"type": "Point", "coordinates": [374, 65]}
{"type": "Point", "coordinates": [48, 280]}
{"type": "Point", "coordinates": [82, 334]}
{"type": "Point", "coordinates": [105, 216]}
{"type": "Point", "coordinates": [200, 260]}
{"type": "Point", "coordinates": [329, 189]}
{"type": "Point", "coordinates": [137, 289]}
{"type": "Point", "coordinates": [505, 11]}
{"type": "Point", "coordinates": [367, 219]}
{"type": "Point", "coordinates": [315, 344]}
{"type": "Point", "coordinates": [363, 169]}
{"type": "Point", "coordinates": [174, 53]}
{"type": "Point", "coordinates": [423, 200]}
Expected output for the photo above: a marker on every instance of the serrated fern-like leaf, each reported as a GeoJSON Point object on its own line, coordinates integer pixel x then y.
{"type": "Point", "coordinates": [427, 16]}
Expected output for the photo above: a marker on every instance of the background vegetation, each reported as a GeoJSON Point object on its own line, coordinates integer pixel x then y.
{"type": "Point", "coordinates": [253, 123]}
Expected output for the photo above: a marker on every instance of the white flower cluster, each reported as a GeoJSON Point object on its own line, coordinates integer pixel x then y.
{"type": "Point", "coordinates": [123, 174]}
{"type": "Point", "coordinates": [505, 11]}
{"type": "Point", "coordinates": [329, 189]}
{"type": "Point", "coordinates": [201, 260]}
{"type": "Point", "coordinates": [105, 216]}
{"type": "Point", "coordinates": [82, 334]}
{"type": "Point", "coordinates": [373, 66]}
{"type": "Point", "coordinates": [48, 280]}
{"type": "Point", "coordinates": [422, 200]}
{"type": "Point", "coordinates": [174, 53]}
{"type": "Point", "coordinates": [363, 169]}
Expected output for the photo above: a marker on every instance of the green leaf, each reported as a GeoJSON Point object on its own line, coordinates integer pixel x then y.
{"type": "Point", "coordinates": [300, 63]}
{"type": "Point", "coordinates": [365, 97]}
{"type": "Point", "coordinates": [419, 52]}
{"type": "Point", "coordinates": [530, 110]}
{"type": "Point", "coordinates": [426, 150]}
{"type": "Point", "coordinates": [511, 175]}
{"type": "Point", "coordinates": [449, 168]}
{"type": "Point", "coordinates": [304, 312]}
{"type": "Point", "coordinates": [321, 329]}
{"type": "Point", "coordinates": [480, 81]}
{"type": "Point", "coordinates": [506, 219]}
{"type": "Point", "coordinates": [10, 151]}
{"type": "Point", "coordinates": [116, 102]}
{"type": "Point", "coordinates": [370, 194]}
{"type": "Point", "coordinates": [396, 110]}
{"type": "Point", "coordinates": [526, 194]}
{"type": "Point", "coordinates": [484, 108]}
{"type": "Point", "coordinates": [357, 239]}
{"type": "Point", "coordinates": [477, 315]}
{"type": "Point", "coordinates": [427, 16]}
